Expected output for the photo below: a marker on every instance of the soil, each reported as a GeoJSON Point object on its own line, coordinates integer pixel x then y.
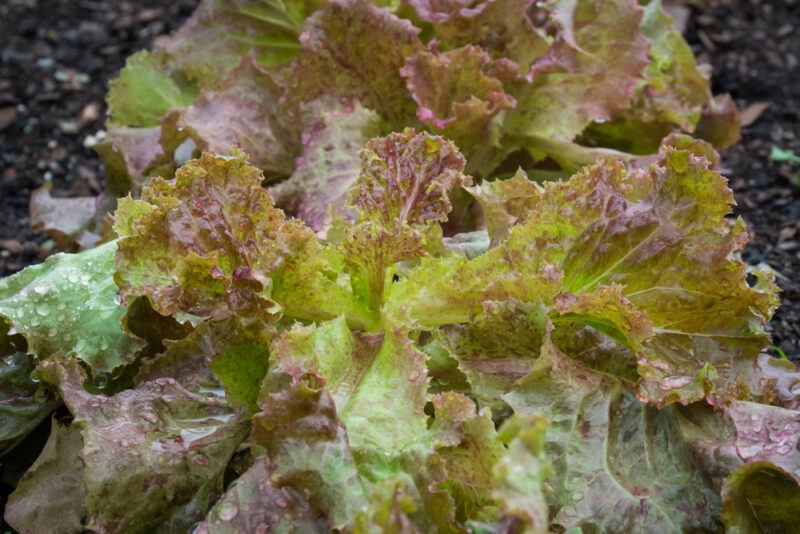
{"type": "Point", "coordinates": [56, 59]}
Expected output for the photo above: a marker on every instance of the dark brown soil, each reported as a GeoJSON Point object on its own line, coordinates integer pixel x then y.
{"type": "Point", "coordinates": [56, 58]}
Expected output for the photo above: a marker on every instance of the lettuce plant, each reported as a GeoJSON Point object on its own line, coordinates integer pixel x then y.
{"type": "Point", "coordinates": [300, 85]}
{"type": "Point", "coordinates": [591, 362]}
{"type": "Point", "coordinates": [383, 318]}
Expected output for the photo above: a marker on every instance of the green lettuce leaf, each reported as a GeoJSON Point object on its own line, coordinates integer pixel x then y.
{"type": "Point", "coordinates": [146, 89]}
{"type": "Point", "coordinates": [50, 494]}
{"type": "Point", "coordinates": [308, 448]}
{"type": "Point", "coordinates": [619, 466]}
{"type": "Point", "coordinates": [68, 305]}
{"type": "Point", "coordinates": [24, 403]}
{"type": "Point", "coordinates": [760, 497]}
{"type": "Point", "coordinates": [440, 471]}
{"type": "Point", "coordinates": [519, 478]}
{"type": "Point", "coordinates": [750, 452]}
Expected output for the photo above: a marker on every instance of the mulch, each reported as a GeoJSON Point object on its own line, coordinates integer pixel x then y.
{"type": "Point", "coordinates": [56, 59]}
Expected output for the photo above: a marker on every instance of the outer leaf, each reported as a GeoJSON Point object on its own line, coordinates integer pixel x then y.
{"type": "Point", "coordinates": [353, 48]}
{"type": "Point", "coordinates": [329, 164]}
{"type": "Point", "coordinates": [23, 402]}
{"type": "Point", "coordinates": [720, 122]}
{"type": "Point", "coordinates": [243, 112]}
{"type": "Point", "coordinates": [205, 243]}
{"type": "Point", "coordinates": [619, 466]}
{"type": "Point", "coordinates": [130, 155]}
{"type": "Point", "coordinates": [160, 442]}
{"type": "Point", "coordinates": [673, 91]}
{"type": "Point", "coordinates": [68, 305]}
{"type": "Point", "coordinates": [743, 433]}
{"type": "Point", "coordinates": [146, 89]}
{"type": "Point", "coordinates": [599, 51]}
{"type": "Point", "coordinates": [253, 504]}
{"type": "Point", "coordinates": [49, 497]}
{"type": "Point", "coordinates": [454, 95]}
{"type": "Point", "coordinates": [221, 32]}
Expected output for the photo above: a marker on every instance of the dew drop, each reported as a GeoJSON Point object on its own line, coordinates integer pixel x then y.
{"type": "Point", "coordinates": [577, 496]}
{"type": "Point", "coordinates": [43, 310]}
{"type": "Point", "coordinates": [103, 344]}
{"type": "Point", "coordinates": [40, 290]}
{"type": "Point", "coordinates": [228, 511]}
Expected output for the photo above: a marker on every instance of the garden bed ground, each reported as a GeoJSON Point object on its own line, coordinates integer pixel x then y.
{"type": "Point", "coordinates": [56, 58]}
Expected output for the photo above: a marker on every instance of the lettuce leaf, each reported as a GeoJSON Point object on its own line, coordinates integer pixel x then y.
{"type": "Point", "coordinates": [657, 234]}
{"type": "Point", "coordinates": [205, 256]}
{"type": "Point", "coordinates": [159, 441]}
{"type": "Point", "coordinates": [68, 305]}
